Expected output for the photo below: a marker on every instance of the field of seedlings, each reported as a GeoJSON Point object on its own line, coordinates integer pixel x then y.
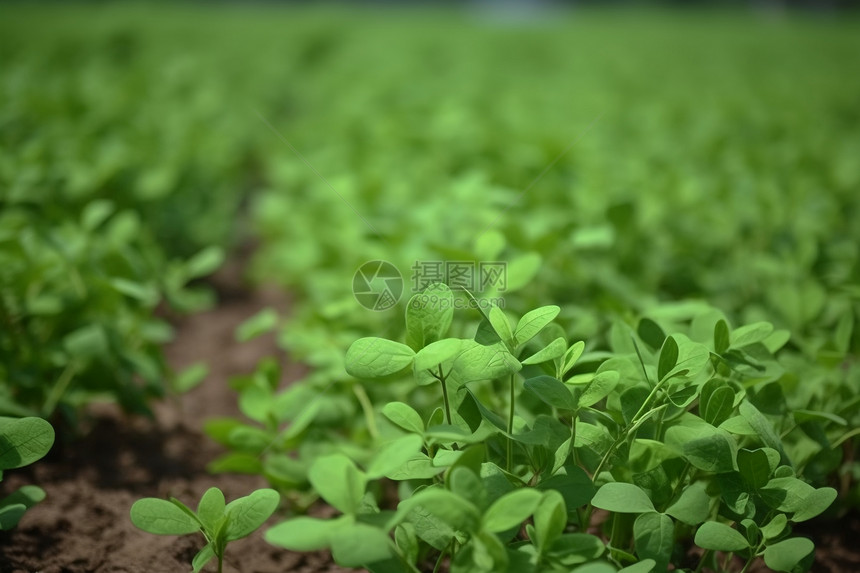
{"type": "Point", "coordinates": [415, 290]}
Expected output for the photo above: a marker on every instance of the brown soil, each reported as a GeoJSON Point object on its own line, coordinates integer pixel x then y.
{"type": "Point", "coordinates": [83, 524]}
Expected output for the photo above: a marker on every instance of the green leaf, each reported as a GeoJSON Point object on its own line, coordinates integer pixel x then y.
{"type": "Point", "coordinates": [500, 324]}
{"type": "Point", "coordinates": [190, 377]}
{"type": "Point", "coordinates": [86, 342]}
{"type": "Point", "coordinates": [394, 455]}
{"type": "Point", "coordinates": [479, 362]}
{"type": "Point", "coordinates": [721, 337]}
{"type": "Point", "coordinates": [453, 510]}
{"type": "Point", "coordinates": [712, 453]}
{"type": "Point", "coordinates": [814, 504]}
{"type": "Point", "coordinates": [211, 508]}
{"type": "Point", "coordinates": [533, 322]}
{"type": "Point", "coordinates": [303, 533]}
{"type": "Point", "coordinates": [162, 517]}
{"type": "Point", "coordinates": [775, 527]}
{"type": "Point", "coordinates": [644, 566]}
{"type": "Point", "coordinates": [693, 506]}
{"type": "Point", "coordinates": [550, 519]}
{"type": "Point", "coordinates": [764, 429]}
{"type": "Point", "coordinates": [373, 357]}
{"type": "Point", "coordinates": [436, 353]}
{"type": "Point", "coordinates": [622, 498]}
{"type": "Point", "coordinates": [203, 557]}
{"type": "Point", "coordinates": [429, 315]}
{"type": "Point", "coordinates": [651, 333]}
{"type": "Point", "coordinates": [786, 555]}
{"type": "Point", "coordinates": [550, 352]}
{"type": "Point", "coordinates": [668, 357]}
{"type": "Point", "coordinates": [719, 406]}
{"type": "Point", "coordinates": [10, 515]}
{"type": "Point", "coordinates": [338, 481]}
{"type": "Point", "coordinates": [511, 509]}
{"type": "Point", "coordinates": [720, 537]}
{"type": "Point", "coordinates": [246, 514]}
{"type": "Point", "coordinates": [23, 441]}
{"type": "Point", "coordinates": [754, 467]}
{"type": "Point", "coordinates": [360, 545]}
{"type": "Point", "coordinates": [552, 391]}
{"type": "Point", "coordinates": [750, 334]}
{"type": "Point", "coordinates": [204, 263]}
{"type": "Point", "coordinates": [264, 321]}
{"type": "Point", "coordinates": [571, 356]}
{"type": "Point", "coordinates": [599, 388]}
{"type": "Point", "coordinates": [404, 416]}
{"type": "Point", "coordinates": [786, 493]}
{"type": "Point", "coordinates": [654, 538]}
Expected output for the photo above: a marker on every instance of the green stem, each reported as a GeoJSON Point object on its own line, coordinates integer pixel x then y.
{"type": "Point", "coordinates": [220, 564]}
{"type": "Point", "coordinates": [441, 379]}
{"type": "Point", "coordinates": [367, 407]}
{"type": "Point", "coordinates": [511, 427]}
{"type": "Point", "coordinates": [705, 556]}
{"type": "Point", "coordinates": [59, 389]}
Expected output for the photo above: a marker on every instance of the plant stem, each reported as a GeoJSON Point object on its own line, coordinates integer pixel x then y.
{"type": "Point", "coordinates": [59, 389]}
{"type": "Point", "coordinates": [702, 561]}
{"type": "Point", "coordinates": [220, 564]}
{"type": "Point", "coordinates": [367, 407]}
{"type": "Point", "coordinates": [510, 451]}
{"type": "Point", "coordinates": [441, 379]}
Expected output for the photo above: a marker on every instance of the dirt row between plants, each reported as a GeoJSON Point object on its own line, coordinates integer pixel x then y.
{"type": "Point", "coordinates": [83, 524]}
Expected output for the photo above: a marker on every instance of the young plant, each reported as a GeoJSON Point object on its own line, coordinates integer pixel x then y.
{"type": "Point", "coordinates": [22, 442]}
{"type": "Point", "coordinates": [219, 522]}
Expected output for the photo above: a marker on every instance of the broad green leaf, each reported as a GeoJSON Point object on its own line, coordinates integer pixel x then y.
{"type": "Point", "coordinates": [394, 455]}
{"type": "Point", "coordinates": [23, 441]}
{"type": "Point", "coordinates": [719, 406]}
{"type": "Point", "coordinates": [597, 567]}
{"type": "Point", "coordinates": [521, 270]}
{"type": "Point", "coordinates": [599, 388]}
{"type": "Point", "coordinates": [246, 514]}
{"type": "Point", "coordinates": [787, 494]}
{"type": "Point", "coordinates": [815, 504]}
{"type": "Point", "coordinates": [204, 263]}
{"type": "Point", "coordinates": [750, 334]}
{"type": "Point", "coordinates": [775, 527]}
{"type": "Point", "coordinates": [549, 352]}
{"type": "Point", "coordinates": [264, 321]}
{"type": "Point", "coordinates": [786, 555]}
{"type": "Point", "coordinates": [429, 315]}
{"type": "Point", "coordinates": [202, 557]}
{"type": "Point", "coordinates": [571, 356]}
{"type": "Point", "coordinates": [373, 357]}
{"type": "Point", "coordinates": [720, 537]}
{"type": "Point", "coordinates": [550, 519]}
{"type": "Point", "coordinates": [452, 509]}
{"type": "Point", "coordinates": [211, 508]}
{"type": "Point", "coordinates": [552, 391]}
{"type": "Point", "coordinates": [533, 322]}
{"type": "Point", "coordinates": [801, 416]}
{"type": "Point", "coordinates": [644, 566]}
{"type": "Point", "coordinates": [572, 483]}
{"type": "Point", "coordinates": [651, 333]}
{"type": "Point", "coordinates": [712, 453]}
{"type": "Point", "coordinates": [511, 510]}
{"type": "Point", "coordinates": [303, 533]}
{"type": "Point", "coordinates": [764, 429]}
{"type": "Point", "coordinates": [754, 467]}
{"type": "Point", "coordinates": [721, 337]}
{"type": "Point", "coordinates": [162, 517]}
{"type": "Point", "coordinates": [479, 362]}
{"type": "Point", "coordinates": [404, 416]}
{"type": "Point", "coordinates": [668, 357]}
{"type": "Point", "coordinates": [360, 545]}
{"type": "Point", "coordinates": [693, 506]}
{"type": "Point", "coordinates": [436, 353]}
{"type": "Point", "coordinates": [501, 325]}
{"type": "Point", "coordinates": [654, 538]}
{"type": "Point", "coordinates": [338, 481]}
{"type": "Point", "coordinates": [622, 498]}
{"type": "Point", "coordinates": [86, 342]}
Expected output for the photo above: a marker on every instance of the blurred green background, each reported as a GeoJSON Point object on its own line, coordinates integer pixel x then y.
{"type": "Point", "coordinates": [615, 157]}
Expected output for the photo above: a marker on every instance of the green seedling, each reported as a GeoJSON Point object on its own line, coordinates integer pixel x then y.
{"type": "Point", "coordinates": [219, 522]}
{"type": "Point", "coordinates": [22, 442]}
